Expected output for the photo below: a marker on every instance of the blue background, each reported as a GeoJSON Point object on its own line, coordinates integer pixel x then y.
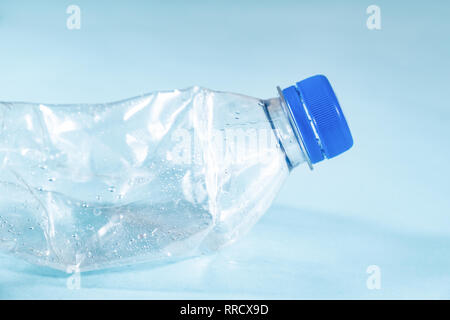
{"type": "Point", "coordinates": [385, 202]}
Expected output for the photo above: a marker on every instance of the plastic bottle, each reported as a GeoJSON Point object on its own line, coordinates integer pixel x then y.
{"type": "Point", "coordinates": [157, 177]}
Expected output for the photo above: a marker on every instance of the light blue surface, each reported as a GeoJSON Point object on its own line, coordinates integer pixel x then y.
{"type": "Point", "coordinates": [386, 200]}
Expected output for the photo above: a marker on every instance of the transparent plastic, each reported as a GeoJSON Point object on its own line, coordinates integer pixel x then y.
{"type": "Point", "coordinates": [153, 178]}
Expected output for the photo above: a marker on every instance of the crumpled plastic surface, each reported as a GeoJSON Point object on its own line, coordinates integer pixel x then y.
{"type": "Point", "coordinates": [84, 187]}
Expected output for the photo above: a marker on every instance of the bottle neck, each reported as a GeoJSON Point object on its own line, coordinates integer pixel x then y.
{"type": "Point", "coordinates": [286, 132]}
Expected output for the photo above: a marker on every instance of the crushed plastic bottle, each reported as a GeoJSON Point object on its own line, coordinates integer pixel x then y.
{"type": "Point", "coordinates": [158, 177]}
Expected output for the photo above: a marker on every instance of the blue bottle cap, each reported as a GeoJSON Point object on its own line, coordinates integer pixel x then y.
{"type": "Point", "coordinates": [319, 119]}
